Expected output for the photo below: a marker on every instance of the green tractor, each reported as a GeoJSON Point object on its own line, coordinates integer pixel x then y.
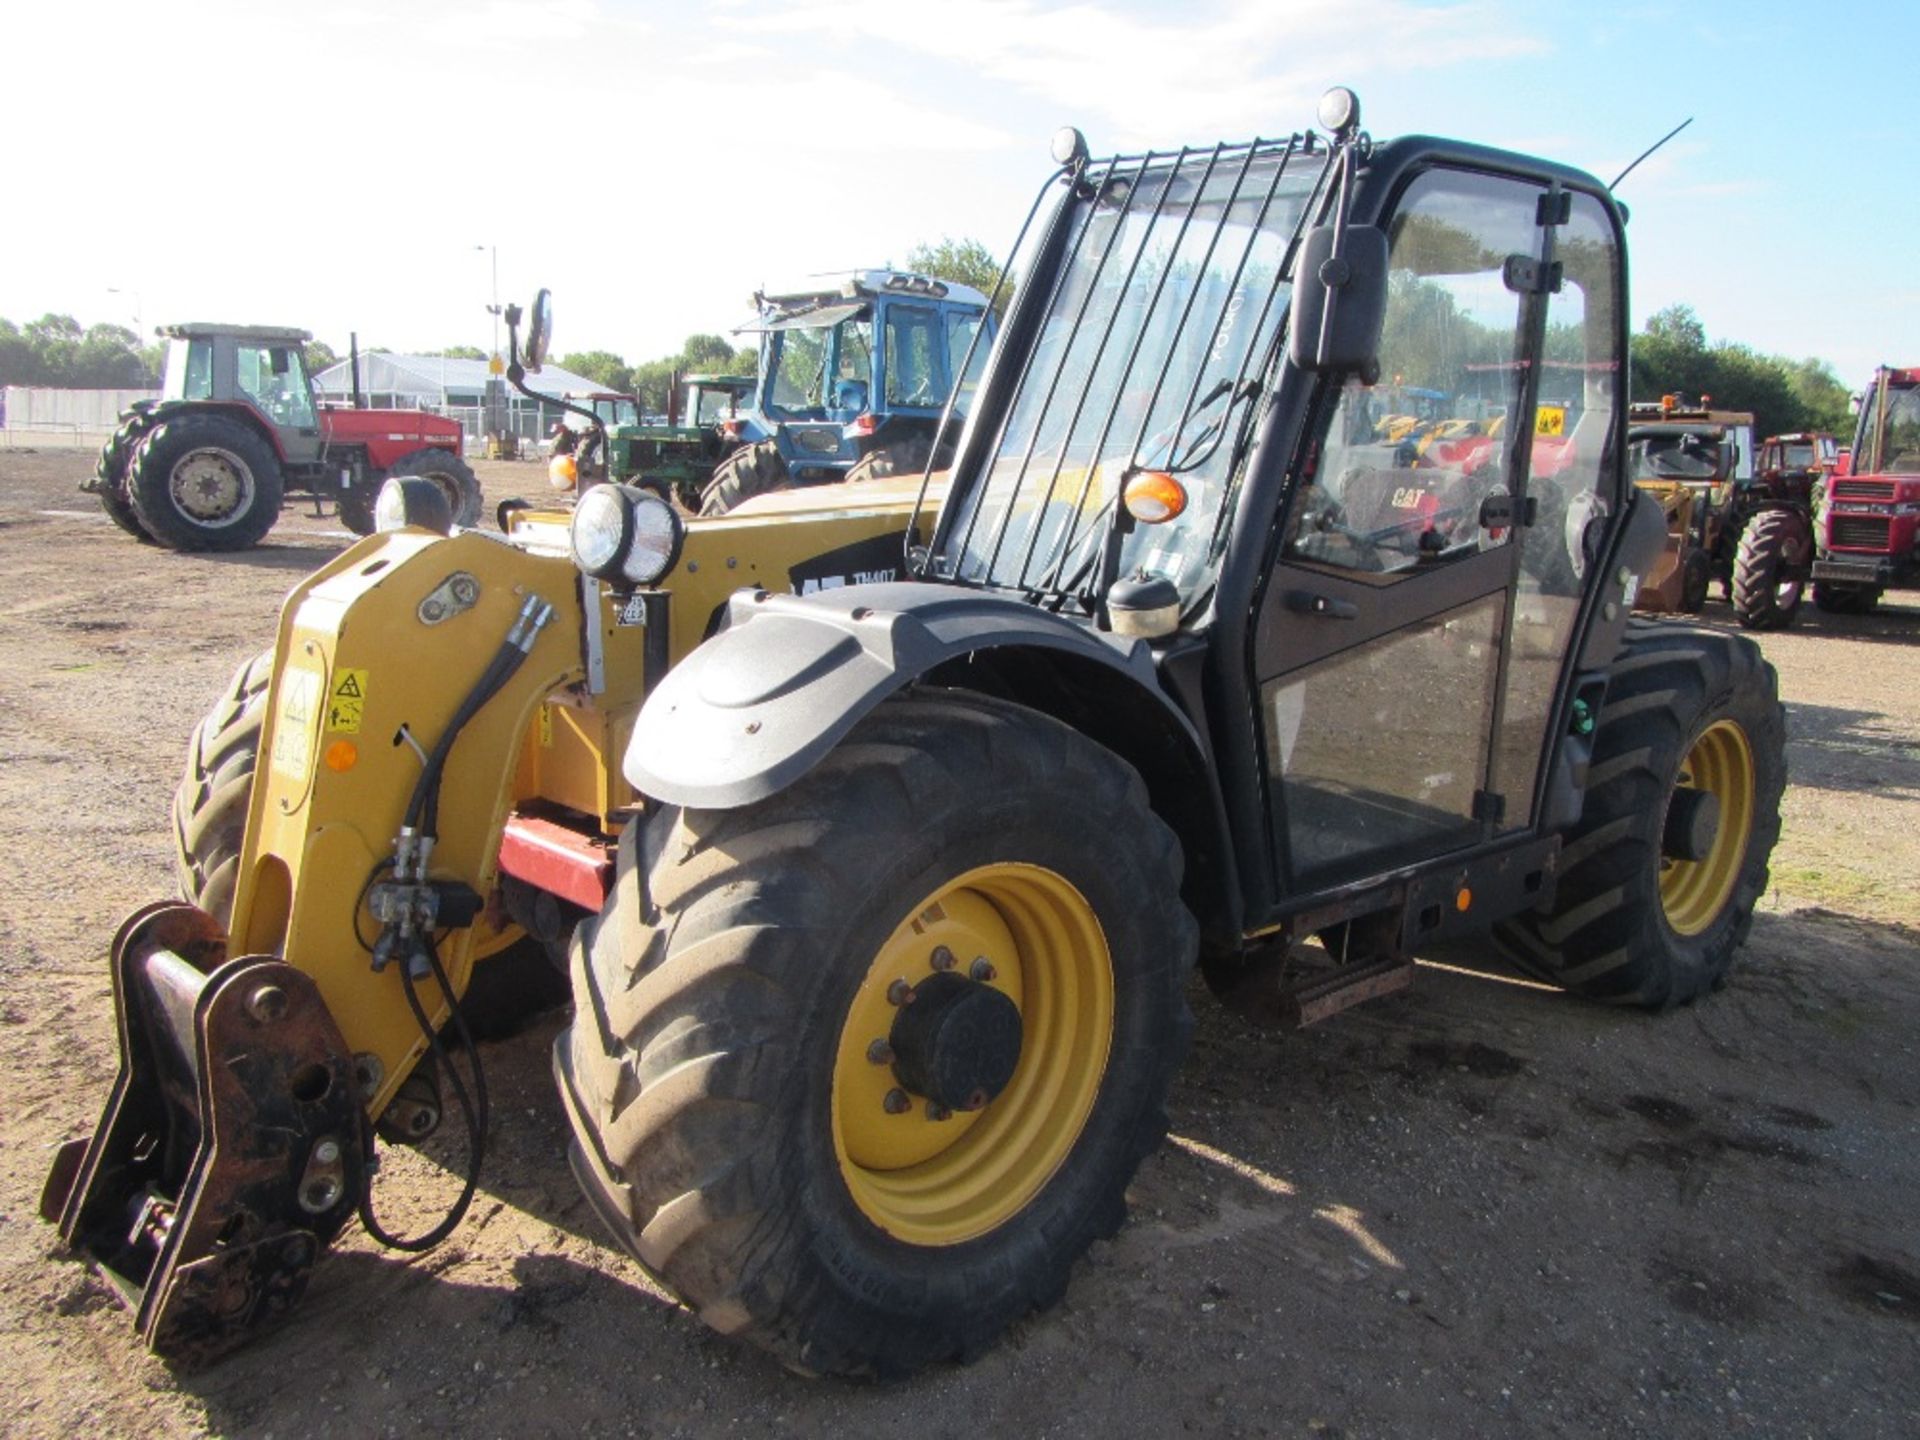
{"type": "Point", "coordinates": [706, 421]}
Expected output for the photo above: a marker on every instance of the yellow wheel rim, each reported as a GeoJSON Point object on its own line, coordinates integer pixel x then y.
{"type": "Point", "coordinates": [940, 1181]}
{"type": "Point", "coordinates": [1694, 892]}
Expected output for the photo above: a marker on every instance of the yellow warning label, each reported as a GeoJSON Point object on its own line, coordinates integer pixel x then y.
{"type": "Point", "coordinates": [546, 726]}
{"type": "Point", "coordinates": [1550, 420]}
{"type": "Point", "coordinates": [348, 701]}
{"type": "Point", "coordinates": [293, 731]}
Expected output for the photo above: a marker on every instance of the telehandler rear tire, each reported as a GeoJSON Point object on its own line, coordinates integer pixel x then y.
{"type": "Point", "coordinates": [749, 471]}
{"type": "Point", "coordinates": [1632, 921]}
{"type": "Point", "coordinates": [749, 1079]}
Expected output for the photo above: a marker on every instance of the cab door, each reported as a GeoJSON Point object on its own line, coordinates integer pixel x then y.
{"type": "Point", "coordinates": [1408, 648]}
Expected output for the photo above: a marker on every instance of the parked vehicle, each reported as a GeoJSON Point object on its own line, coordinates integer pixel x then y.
{"type": "Point", "coordinates": [236, 430]}
{"type": "Point", "coordinates": [1870, 525]}
{"type": "Point", "coordinates": [854, 382]}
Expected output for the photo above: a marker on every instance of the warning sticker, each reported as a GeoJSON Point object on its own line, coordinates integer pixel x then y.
{"type": "Point", "coordinates": [348, 701]}
{"type": "Point", "coordinates": [1550, 420]}
{"type": "Point", "coordinates": [293, 731]}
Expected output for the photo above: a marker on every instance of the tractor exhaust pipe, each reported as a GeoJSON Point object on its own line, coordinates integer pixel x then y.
{"type": "Point", "coordinates": [353, 368]}
{"type": "Point", "coordinates": [232, 1148]}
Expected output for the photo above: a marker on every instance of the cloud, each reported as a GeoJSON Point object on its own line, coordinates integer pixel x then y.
{"type": "Point", "coordinates": [1232, 67]}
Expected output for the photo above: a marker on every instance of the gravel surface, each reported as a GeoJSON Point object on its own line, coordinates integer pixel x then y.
{"type": "Point", "coordinates": [1479, 1208]}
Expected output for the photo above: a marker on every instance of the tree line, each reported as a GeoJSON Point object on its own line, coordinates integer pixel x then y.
{"type": "Point", "coordinates": [1673, 354]}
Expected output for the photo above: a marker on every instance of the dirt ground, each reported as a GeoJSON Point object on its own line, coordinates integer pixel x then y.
{"type": "Point", "coordinates": [1476, 1209]}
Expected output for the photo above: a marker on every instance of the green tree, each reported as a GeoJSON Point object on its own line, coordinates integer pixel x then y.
{"type": "Point", "coordinates": [460, 352]}
{"type": "Point", "coordinates": [603, 367]}
{"type": "Point", "coordinates": [966, 261]}
{"type": "Point", "coordinates": [319, 355]}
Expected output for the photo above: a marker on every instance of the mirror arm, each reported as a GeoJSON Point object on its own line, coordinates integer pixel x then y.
{"type": "Point", "coordinates": [517, 377]}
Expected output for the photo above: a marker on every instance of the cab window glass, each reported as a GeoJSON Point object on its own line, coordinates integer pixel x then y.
{"type": "Point", "coordinates": [913, 357]}
{"type": "Point", "coordinates": [961, 328]}
{"type": "Point", "coordinates": [276, 380]}
{"type": "Point", "coordinates": [1407, 463]}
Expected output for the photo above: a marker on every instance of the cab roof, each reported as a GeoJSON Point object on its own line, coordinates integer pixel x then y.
{"type": "Point", "coordinates": [208, 330]}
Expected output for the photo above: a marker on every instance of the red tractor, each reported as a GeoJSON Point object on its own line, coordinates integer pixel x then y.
{"type": "Point", "coordinates": [236, 429]}
{"type": "Point", "coordinates": [1870, 523]}
{"type": "Point", "coordinates": [1765, 552]}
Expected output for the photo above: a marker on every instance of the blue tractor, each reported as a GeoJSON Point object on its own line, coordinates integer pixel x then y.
{"type": "Point", "coordinates": [854, 380]}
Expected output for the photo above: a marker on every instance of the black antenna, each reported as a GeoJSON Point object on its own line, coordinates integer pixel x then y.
{"type": "Point", "coordinates": [1648, 151]}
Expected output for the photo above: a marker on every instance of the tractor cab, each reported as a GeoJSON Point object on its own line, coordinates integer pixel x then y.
{"type": "Point", "coordinates": [866, 365]}
{"type": "Point", "coordinates": [1687, 459]}
{"type": "Point", "coordinates": [260, 367]}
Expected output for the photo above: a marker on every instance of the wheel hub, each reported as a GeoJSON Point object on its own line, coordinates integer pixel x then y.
{"type": "Point", "coordinates": [210, 486]}
{"type": "Point", "coordinates": [957, 1043]}
{"type": "Point", "coordinates": [1693, 823]}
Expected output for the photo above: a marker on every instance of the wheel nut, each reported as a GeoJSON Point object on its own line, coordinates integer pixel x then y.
{"type": "Point", "coordinates": [880, 1053]}
{"type": "Point", "coordinates": [267, 1003]}
{"type": "Point", "coordinates": [327, 1152]}
{"type": "Point", "coordinates": [937, 1111]}
{"type": "Point", "coordinates": [942, 958]}
{"type": "Point", "coordinates": [899, 993]}
{"type": "Point", "coordinates": [976, 1101]}
{"type": "Point", "coordinates": [982, 969]}
{"type": "Point", "coordinates": [896, 1102]}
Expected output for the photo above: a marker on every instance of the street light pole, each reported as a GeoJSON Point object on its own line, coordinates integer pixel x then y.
{"type": "Point", "coordinates": [138, 329]}
{"type": "Point", "coordinates": [493, 252]}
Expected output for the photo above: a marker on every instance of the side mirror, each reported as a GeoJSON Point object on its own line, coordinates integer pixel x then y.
{"type": "Point", "coordinates": [539, 331]}
{"type": "Point", "coordinates": [1340, 301]}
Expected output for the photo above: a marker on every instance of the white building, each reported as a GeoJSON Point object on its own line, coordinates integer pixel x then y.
{"type": "Point", "coordinates": [455, 388]}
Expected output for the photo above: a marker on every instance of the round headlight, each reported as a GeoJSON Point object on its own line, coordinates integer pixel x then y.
{"type": "Point", "coordinates": [655, 545]}
{"type": "Point", "coordinates": [625, 534]}
{"type": "Point", "coordinates": [599, 531]}
{"type": "Point", "coordinates": [412, 502]}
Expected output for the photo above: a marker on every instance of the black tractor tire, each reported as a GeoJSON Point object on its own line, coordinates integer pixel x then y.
{"type": "Point", "coordinates": [110, 470]}
{"type": "Point", "coordinates": [447, 470]}
{"type": "Point", "coordinates": [909, 456]}
{"type": "Point", "coordinates": [1677, 697]}
{"type": "Point", "coordinates": [1769, 573]}
{"type": "Point", "coordinates": [1832, 599]}
{"type": "Point", "coordinates": [158, 481]}
{"type": "Point", "coordinates": [505, 991]}
{"type": "Point", "coordinates": [712, 993]}
{"type": "Point", "coordinates": [749, 471]}
{"type": "Point", "coordinates": [1696, 575]}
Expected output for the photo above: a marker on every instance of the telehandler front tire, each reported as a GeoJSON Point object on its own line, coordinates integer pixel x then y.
{"type": "Point", "coordinates": [210, 804]}
{"type": "Point", "coordinates": [1636, 919]}
{"type": "Point", "coordinates": [770, 1109]}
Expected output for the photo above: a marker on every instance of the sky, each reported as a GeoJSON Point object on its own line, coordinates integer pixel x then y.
{"type": "Point", "coordinates": [351, 166]}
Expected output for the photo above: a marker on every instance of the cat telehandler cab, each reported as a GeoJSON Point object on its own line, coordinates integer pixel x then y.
{"type": "Point", "coordinates": [892, 890]}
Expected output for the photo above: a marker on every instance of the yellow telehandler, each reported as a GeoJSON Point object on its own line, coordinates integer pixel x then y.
{"type": "Point", "coordinates": [883, 826]}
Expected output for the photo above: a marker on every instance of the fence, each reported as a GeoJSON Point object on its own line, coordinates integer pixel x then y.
{"type": "Point", "coordinates": [35, 415]}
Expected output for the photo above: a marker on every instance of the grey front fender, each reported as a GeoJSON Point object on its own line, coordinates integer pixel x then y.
{"type": "Point", "coordinates": [758, 705]}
